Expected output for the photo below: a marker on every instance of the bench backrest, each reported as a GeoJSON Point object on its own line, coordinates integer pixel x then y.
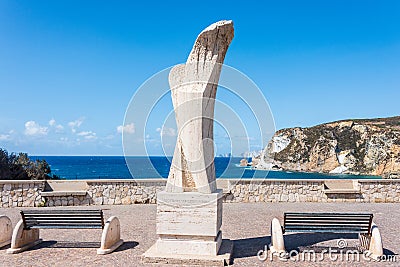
{"type": "Point", "coordinates": [328, 222]}
{"type": "Point", "coordinates": [63, 219]}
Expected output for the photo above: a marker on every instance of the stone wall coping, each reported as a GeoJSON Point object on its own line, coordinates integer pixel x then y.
{"type": "Point", "coordinates": [273, 180]}
{"type": "Point", "coordinates": [22, 181]}
{"type": "Point", "coordinates": [379, 180]}
{"type": "Point", "coordinates": [144, 180]}
{"type": "Point", "coordinates": [234, 180]}
{"type": "Point", "coordinates": [62, 193]}
{"type": "Point", "coordinates": [341, 191]}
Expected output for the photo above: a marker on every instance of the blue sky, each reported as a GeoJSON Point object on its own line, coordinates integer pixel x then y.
{"type": "Point", "coordinates": [68, 69]}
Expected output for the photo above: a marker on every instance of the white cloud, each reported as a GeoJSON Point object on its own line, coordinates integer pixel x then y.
{"type": "Point", "coordinates": [88, 135]}
{"type": "Point", "coordinates": [4, 137]}
{"type": "Point", "coordinates": [129, 128]}
{"type": "Point", "coordinates": [75, 124]}
{"type": "Point", "coordinates": [33, 128]}
{"type": "Point", "coordinates": [52, 122]}
{"type": "Point", "coordinates": [84, 133]}
{"type": "Point", "coordinates": [165, 131]}
{"type": "Point", "coordinates": [109, 137]}
{"type": "Point", "coordinates": [59, 128]}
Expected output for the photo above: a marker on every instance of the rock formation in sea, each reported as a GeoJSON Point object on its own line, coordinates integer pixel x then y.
{"type": "Point", "coordinates": [359, 146]}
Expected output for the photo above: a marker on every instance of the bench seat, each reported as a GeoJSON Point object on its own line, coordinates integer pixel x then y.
{"type": "Point", "coordinates": [328, 222]}
{"type": "Point", "coordinates": [63, 219]}
{"type": "Point", "coordinates": [357, 223]}
{"type": "Point", "coordinates": [26, 232]}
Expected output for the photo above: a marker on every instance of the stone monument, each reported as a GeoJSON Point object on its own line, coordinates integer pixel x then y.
{"type": "Point", "coordinates": [189, 211]}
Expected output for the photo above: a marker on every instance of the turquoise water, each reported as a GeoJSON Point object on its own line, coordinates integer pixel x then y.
{"type": "Point", "coordinates": [115, 167]}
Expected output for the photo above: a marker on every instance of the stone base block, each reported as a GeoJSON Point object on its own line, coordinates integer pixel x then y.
{"type": "Point", "coordinates": [189, 246]}
{"type": "Point", "coordinates": [23, 239]}
{"type": "Point", "coordinates": [189, 214]}
{"type": "Point", "coordinates": [111, 237]}
{"type": "Point", "coordinates": [222, 258]}
{"type": "Point", "coordinates": [5, 231]}
{"type": "Point", "coordinates": [188, 226]}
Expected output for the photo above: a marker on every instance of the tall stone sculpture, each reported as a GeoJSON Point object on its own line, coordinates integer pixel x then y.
{"type": "Point", "coordinates": [189, 211]}
{"type": "Point", "coordinates": [194, 86]}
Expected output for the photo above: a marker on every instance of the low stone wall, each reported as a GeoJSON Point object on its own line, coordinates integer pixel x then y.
{"type": "Point", "coordinates": [375, 191]}
{"type": "Point", "coordinates": [125, 192]}
{"type": "Point", "coordinates": [110, 192]}
{"type": "Point", "coordinates": [379, 191]}
{"type": "Point", "coordinates": [21, 193]}
{"type": "Point", "coordinates": [275, 191]}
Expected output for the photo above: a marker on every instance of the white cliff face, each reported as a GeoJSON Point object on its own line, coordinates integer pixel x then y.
{"type": "Point", "coordinates": [279, 143]}
{"type": "Point", "coordinates": [370, 147]}
{"type": "Point", "coordinates": [346, 161]}
{"type": "Point", "coordinates": [338, 170]}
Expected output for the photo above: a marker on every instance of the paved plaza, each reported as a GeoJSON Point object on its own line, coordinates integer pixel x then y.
{"type": "Point", "coordinates": [246, 224]}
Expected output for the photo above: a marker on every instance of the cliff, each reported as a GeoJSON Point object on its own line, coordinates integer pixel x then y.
{"type": "Point", "coordinates": [370, 147]}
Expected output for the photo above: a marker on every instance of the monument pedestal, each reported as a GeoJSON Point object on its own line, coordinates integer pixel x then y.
{"type": "Point", "coordinates": [188, 227]}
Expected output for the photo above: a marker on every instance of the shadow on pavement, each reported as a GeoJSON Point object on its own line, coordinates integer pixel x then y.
{"type": "Point", "coordinates": [65, 244]}
{"type": "Point", "coordinates": [249, 247]}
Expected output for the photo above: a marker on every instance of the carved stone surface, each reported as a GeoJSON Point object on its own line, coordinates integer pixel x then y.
{"type": "Point", "coordinates": [5, 230]}
{"type": "Point", "coordinates": [194, 86]}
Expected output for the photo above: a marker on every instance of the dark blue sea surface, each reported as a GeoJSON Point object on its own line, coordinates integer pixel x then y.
{"type": "Point", "coordinates": [116, 167]}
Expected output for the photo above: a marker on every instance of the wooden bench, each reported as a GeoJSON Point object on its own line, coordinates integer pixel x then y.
{"type": "Point", "coordinates": [26, 232]}
{"type": "Point", "coordinates": [63, 219]}
{"type": "Point", "coordinates": [352, 223]}
{"type": "Point", "coordinates": [349, 223]}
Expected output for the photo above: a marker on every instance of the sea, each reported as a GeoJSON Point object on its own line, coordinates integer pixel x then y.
{"type": "Point", "coordinates": [119, 167]}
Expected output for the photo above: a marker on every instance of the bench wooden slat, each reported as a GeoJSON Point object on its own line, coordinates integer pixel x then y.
{"type": "Point", "coordinates": [326, 214]}
{"type": "Point", "coordinates": [60, 211]}
{"type": "Point", "coordinates": [345, 231]}
{"type": "Point", "coordinates": [327, 222]}
{"type": "Point", "coordinates": [30, 221]}
{"type": "Point", "coordinates": [51, 223]}
{"type": "Point", "coordinates": [328, 218]}
{"type": "Point", "coordinates": [67, 227]}
{"type": "Point", "coordinates": [77, 219]}
{"type": "Point", "coordinates": [63, 216]}
{"type": "Point", "coordinates": [324, 227]}
{"type": "Point", "coordinates": [64, 223]}
{"type": "Point", "coordinates": [330, 223]}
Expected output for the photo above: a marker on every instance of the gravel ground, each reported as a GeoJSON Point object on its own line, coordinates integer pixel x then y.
{"type": "Point", "coordinates": [247, 224]}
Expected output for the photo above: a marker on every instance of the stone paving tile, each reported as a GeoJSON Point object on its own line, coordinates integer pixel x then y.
{"type": "Point", "coordinates": [247, 224]}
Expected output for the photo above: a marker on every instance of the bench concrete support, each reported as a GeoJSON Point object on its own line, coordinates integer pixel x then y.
{"type": "Point", "coordinates": [111, 238]}
{"type": "Point", "coordinates": [277, 245]}
{"type": "Point", "coordinates": [5, 231]}
{"type": "Point", "coordinates": [23, 239]}
{"type": "Point", "coordinates": [375, 245]}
